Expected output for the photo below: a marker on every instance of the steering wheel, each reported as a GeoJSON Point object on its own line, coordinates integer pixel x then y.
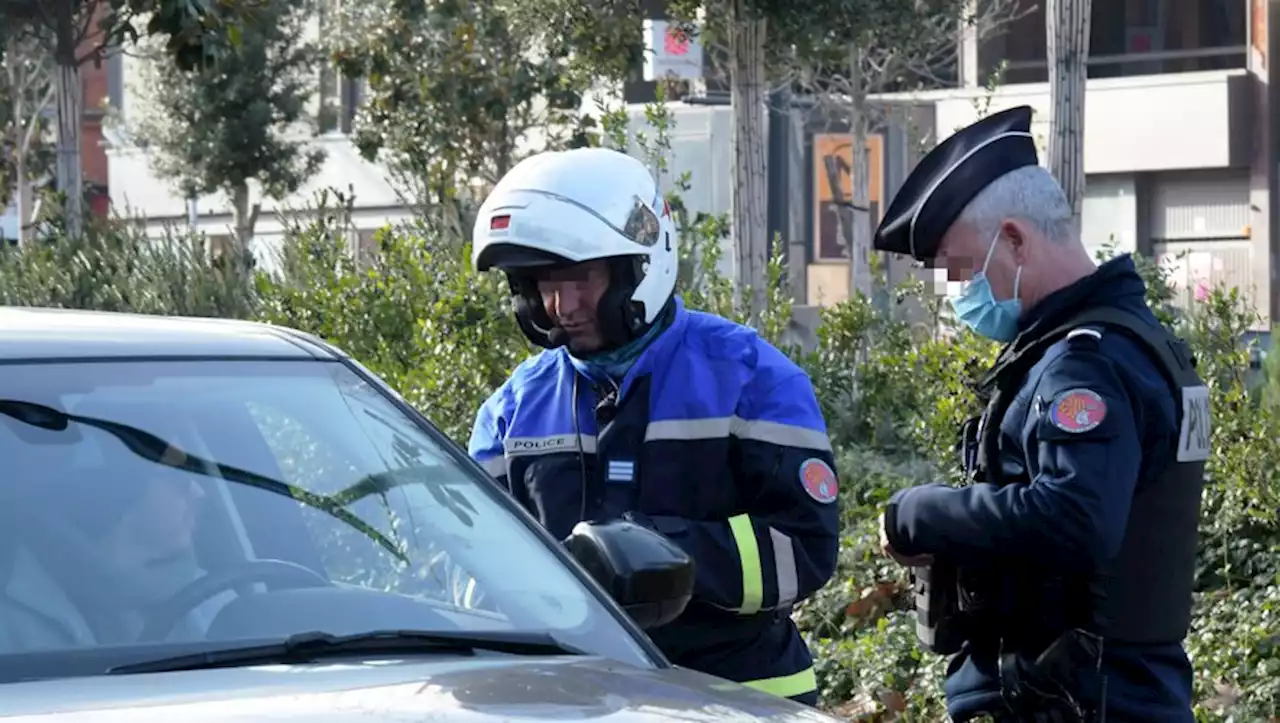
{"type": "Point", "coordinates": [292, 575]}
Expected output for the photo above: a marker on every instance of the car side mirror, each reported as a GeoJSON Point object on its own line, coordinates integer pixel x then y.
{"type": "Point", "coordinates": [647, 574]}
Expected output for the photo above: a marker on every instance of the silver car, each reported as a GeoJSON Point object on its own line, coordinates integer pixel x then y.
{"type": "Point", "coordinates": [212, 520]}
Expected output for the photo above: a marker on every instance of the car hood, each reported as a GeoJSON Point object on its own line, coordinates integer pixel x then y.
{"type": "Point", "coordinates": [473, 690]}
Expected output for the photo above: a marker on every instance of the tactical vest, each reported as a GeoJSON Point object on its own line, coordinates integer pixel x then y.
{"type": "Point", "coordinates": [1144, 594]}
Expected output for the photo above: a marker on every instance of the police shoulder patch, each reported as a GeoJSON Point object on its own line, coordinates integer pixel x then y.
{"type": "Point", "coordinates": [818, 480]}
{"type": "Point", "coordinates": [1077, 410]}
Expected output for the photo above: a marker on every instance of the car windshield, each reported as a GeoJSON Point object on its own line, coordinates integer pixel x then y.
{"type": "Point", "coordinates": [153, 508]}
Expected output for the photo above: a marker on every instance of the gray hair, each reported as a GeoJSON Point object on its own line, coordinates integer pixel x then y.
{"type": "Point", "coordinates": [1029, 193]}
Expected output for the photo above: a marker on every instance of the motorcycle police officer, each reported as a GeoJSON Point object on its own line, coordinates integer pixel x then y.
{"type": "Point", "coordinates": [1061, 574]}
{"type": "Point", "coordinates": [643, 410]}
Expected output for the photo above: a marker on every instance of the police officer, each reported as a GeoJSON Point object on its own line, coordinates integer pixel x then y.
{"type": "Point", "coordinates": [640, 409]}
{"type": "Point", "coordinates": [1061, 575]}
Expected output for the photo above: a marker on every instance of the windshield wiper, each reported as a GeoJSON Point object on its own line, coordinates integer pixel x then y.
{"type": "Point", "coordinates": [159, 451]}
{"type": "Point", "coordinates": [380, 483]}
{"type": "Point", "coordinates": [313, 646]}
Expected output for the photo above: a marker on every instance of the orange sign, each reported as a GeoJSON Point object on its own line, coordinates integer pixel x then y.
{"type": "Point", "coordinates": [833, 159]}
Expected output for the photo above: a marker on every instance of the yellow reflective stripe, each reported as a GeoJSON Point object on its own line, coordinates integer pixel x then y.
{"type": "Point", "coordinates": [787, 686]}
{"type": "Point", "coordinates": [749, 554]}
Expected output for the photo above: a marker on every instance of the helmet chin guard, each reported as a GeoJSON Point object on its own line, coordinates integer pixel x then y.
{"type": "Point", "coordinates": [619, 318]}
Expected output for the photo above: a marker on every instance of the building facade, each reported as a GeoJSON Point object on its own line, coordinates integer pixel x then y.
{"type": "Point", "coordinates": [1177, 123]}
{"type": "Point", "coordinates": [1178, 156]}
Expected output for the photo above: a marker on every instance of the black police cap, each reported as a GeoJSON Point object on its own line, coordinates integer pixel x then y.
{"type": "Point", "coordinates": [950, 176]}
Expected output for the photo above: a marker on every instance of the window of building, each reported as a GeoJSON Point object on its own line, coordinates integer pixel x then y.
{"type": "Point", "coordinates": [1129, 37]}
{"type": "Point", "coordinates": [1200, 231]}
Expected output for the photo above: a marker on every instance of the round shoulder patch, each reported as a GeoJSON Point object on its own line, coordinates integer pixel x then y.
{"type": "Point", "coordinates": [1077, 410]}
{"type": "Point", "coordinates": [818, 480]}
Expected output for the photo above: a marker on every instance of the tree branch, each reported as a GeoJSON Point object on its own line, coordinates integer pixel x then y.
{"type": "Point", "coordinates": [33, 120]}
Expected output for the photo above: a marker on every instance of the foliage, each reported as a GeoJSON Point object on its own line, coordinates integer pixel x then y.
{"type": "Point", "coordinates": [113, 267]}
{"type": "Point", "coordinates": [893, 394]}
{"type": "Point", "coordinates": [457, 94]}
{"type": "Point", "coordinates": [416, 312]}
{"type": "Point", "coordinates": [236, 119]}
{"type": "Point", "coordinates": [193, 32]}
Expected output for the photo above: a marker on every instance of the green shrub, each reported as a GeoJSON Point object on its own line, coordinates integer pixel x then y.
{"type": "Point", "coordinates": [114, 268]}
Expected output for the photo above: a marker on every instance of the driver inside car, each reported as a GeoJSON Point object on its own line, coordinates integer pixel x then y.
{"type": "Point", "coordinates": [89, 574]}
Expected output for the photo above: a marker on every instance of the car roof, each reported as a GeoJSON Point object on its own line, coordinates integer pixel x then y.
{"type": "Point", "coordinates": [30, 333]}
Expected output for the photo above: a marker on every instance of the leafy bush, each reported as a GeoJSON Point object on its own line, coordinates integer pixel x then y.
{"type": "Point", "coordinates": [893, 395]}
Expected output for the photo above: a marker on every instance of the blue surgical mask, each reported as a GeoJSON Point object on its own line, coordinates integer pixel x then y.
{"type": "Point", "coordinates": [981, 311]}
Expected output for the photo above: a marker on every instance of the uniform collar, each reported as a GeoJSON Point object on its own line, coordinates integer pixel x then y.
{"type": "Point", "coordinates": [645, 361]}
{"type": "Point", "coordinates": [1115, 283]}
{"type": "Point", "coordinates": [661, 347]}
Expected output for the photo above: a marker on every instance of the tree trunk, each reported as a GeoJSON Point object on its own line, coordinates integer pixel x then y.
{"type": "Point", "coordinates": [1067, 35]}
{"type": "Point", "coordinates": [749, 190]}
{"type": "Point", "coordinates": [22, 129]}
{"type": "Point", "coordinates": [23, 193]}
{"type": "Point", "coordinates": [246, 218]}
{"type": "Point", "coordinates": [32, 94]}
{"type": "Point", "coordinates": [330, 104]}
{"type": "Point", "coordinates": [70, 175]}
{"type": "Point", "coordinates": [858, 235]}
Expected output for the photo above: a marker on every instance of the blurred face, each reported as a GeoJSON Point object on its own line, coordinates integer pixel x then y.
{"type": "Point", "coordinates": [162, 522]}
{"type": "Point", "coordinates": [571, 296]}
{"type": "Point", "coordinates": [965, 251]}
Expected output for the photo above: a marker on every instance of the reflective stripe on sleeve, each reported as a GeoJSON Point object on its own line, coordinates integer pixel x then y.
{"type": "Point", "coordinates": [784, 566]}
{"type": "Point", "coordinates": [784, 563]}
{"type": "Point", "coordinates": [744, 535]}
{"type": "Point", "coordinates": [787, 686]}
{"type": "Point", "coordinates": [785, 435]}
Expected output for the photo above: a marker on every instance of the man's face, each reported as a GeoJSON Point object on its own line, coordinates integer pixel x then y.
{"type": "Point", "coordinates": [963, 253]}
{"type": "Point", "coordinates": [571, 296]}
{"type": "Point", "coordinates": [162, 520]}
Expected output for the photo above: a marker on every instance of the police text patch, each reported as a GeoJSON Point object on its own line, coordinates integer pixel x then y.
{"type": "Point", "coordinates": [818, 480]}
{"type": "Point", "coordinates": [1077, 410]}
{"type": "Point", "coordinates": [1194, 437]}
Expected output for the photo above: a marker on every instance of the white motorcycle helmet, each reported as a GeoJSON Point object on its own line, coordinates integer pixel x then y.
{"type": "Point", "coordinates": [561, 208]}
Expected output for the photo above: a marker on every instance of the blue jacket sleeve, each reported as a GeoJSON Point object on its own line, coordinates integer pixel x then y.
{"type": "Point", "coordinates": [488, 434]}
{"type": "Point", "coordinates": [1083, 454]}
{"type": "Point", "coordinates": [782, 547]}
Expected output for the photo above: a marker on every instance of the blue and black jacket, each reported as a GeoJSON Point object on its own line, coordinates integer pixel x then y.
{"type": "Point", "coordinates": [715, 439]}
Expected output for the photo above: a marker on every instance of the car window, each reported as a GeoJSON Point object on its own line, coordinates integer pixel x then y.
{"type": "Point", "coordinates": [312, 500]}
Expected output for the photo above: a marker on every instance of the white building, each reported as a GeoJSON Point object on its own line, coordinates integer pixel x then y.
{"type": "Point", "coordinates": [137, 192]}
